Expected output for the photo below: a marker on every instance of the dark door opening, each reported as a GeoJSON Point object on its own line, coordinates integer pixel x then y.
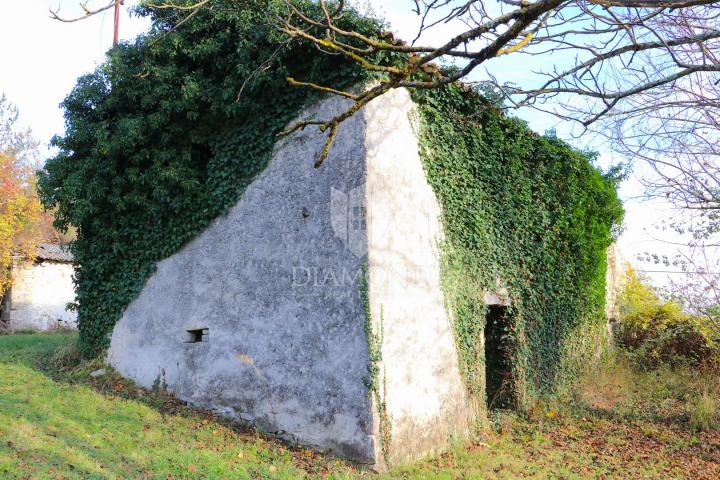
{"type": "Point", "coordinates": [499, 385]}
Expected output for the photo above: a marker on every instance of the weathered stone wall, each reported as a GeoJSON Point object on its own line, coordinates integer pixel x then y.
{"type": "Point", "coordinates": [276, 284]}
{"type": "Point", "coordinates": [38, 297]}
{"type": "Point", "coordinates": [419, 373]}
{"type": "Point", "coordinates": [279, 295]}
{"type": "Point", "coordinates": [615, 279]}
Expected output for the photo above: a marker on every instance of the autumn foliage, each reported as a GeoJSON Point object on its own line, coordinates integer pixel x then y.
{"type": "Point", "coordinates": [22, 221]}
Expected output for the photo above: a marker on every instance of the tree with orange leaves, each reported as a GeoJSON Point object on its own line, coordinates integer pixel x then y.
{"type": "Point", "coordinates": [20, 210]}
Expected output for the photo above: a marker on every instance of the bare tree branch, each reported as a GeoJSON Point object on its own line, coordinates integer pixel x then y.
{"type": "Point", "coordinates": [608, 65]}
{"type": "Point", "coordinates": [55, 14]}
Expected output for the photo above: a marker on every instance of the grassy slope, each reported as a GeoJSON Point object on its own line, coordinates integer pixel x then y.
{"type": "Point", "coordinates": [69, 425]}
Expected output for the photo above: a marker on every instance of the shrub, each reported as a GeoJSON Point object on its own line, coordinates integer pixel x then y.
{"type": "Point", "coordinates": [656, 332]}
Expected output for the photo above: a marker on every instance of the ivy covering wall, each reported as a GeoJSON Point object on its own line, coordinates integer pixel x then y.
{"type": "Point", "coordinates": [164, 137]}
{"type": "Point", "coordinates": [525, 214]}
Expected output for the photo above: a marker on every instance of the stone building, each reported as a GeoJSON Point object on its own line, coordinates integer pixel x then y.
{"type": "Point", "coordinates": [615, 281]}
{"type": "Point", "coordinates": [40, 291]}
{"type": "Point", "coordinates": [265, 317]}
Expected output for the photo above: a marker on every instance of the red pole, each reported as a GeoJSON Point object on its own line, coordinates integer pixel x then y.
{"type": "Point", "coordinates": [117, 22]}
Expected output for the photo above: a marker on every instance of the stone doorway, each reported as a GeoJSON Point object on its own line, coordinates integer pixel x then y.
{"type": "Point", "coordinates": [499, 383]}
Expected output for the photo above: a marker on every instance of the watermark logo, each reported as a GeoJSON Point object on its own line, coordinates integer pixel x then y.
{"type": "Point", "coordinates": [348, 217]}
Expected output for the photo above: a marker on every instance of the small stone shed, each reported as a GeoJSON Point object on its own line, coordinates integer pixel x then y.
{"type": "Point", "coordinates": [265, 316]}
{"type": "Point", "coordinates": [40, 291]}
{"type": "Point", "coordinates": [314, 309]}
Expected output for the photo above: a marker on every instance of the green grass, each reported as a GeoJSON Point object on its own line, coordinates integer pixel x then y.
{"type": "Point", "coordinates": [64, 429]}
{"type": "Point", "coordinates": [684, 396]}
{"type": "Point", "coordinates": [57, 422]}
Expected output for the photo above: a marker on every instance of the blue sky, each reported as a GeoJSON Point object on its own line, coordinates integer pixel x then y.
{"type": "Point", "coordinates": [42, 58]}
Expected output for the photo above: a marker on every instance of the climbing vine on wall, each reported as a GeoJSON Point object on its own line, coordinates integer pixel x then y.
{"type": "Point", "coordinates": [164, 137]}
{"type": "Point", "coordinates": [376, 382]}
{"type": "Point", "coordinates": [525, 213]}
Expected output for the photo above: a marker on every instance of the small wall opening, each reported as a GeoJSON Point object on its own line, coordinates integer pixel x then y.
{"type": "Point", "coordinates": [197, 335]}
{"type": "Point", "coordinates": [499, 385]}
